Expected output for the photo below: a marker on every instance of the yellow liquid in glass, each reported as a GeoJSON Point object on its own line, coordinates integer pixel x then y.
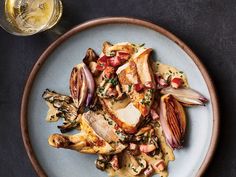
{"type": "Point", "coordinates": [32, 16]}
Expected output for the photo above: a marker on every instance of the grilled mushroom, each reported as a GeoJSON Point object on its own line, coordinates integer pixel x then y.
{"type": "Point", "coordinates": [173, 120]}
{"type": "Point", "coordinates": [137, 165]}
{"type": "Point", "coordinates": [61, 106]}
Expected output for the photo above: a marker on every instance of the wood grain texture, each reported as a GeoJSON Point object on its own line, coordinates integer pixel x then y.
{"type": "Point", "coordinates": [119, 20]}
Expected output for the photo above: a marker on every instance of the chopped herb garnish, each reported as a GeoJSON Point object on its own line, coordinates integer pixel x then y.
{"type": "Point", "coordinates": [105, 118]}
{"type": "Point", "coordinates": [152, 90]}
{"type": "Point", "coordinates": [181, 72]}
{"type": "Point", "coordinates": [112, 53]}
{"type": "Point", "coordinates": [142, 45]}
{"type": "Point", "coordinates": [112, 142]}
{"type": "Point", "coordinates": [113, 81]}
{"type": "Point", "coordinates": [117, 132]}
{"type": "Point", "coordinates": [147, 98]}
{"type": "Point", "coordinates": [170, 71]}
{"type": "Point", "coordinates": [134, 170]}
{"type": "Point", "coordinates": [145, 102]}
{"type": "Point", "coordinates": [129, 88]}
{"type": "Point", "coordinates": [100, 89]}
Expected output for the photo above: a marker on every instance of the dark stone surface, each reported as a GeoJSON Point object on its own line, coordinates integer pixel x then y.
{"type": "Point", "coordinates": [207, 26]}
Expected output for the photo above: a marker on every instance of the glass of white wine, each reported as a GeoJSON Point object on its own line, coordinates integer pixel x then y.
{"type": "Point", "coordinates": [28, 17]}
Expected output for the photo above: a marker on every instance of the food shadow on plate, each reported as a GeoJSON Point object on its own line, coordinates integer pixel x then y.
{"type": "Point", "coordinates": [187, 137]}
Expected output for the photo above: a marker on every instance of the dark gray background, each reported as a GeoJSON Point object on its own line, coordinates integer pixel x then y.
{"type": "Point", "coordinates": [208, 27]}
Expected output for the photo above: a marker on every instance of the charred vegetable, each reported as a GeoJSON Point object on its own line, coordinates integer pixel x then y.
{"type": "Point", "coordinates": [186, 96]}
{"type": "Point", "coordinates": [61, 106]}
{"type": "Point", "coordinates": [173, 120]}
{"type": "Point", "coordinates": [90, 60]}
{"type": "Point", "coordinates": [91, 84]}
{"type": "Point", "coordinates": [52, 97]}
{"type": "Point", "coordinates": [81, 85]}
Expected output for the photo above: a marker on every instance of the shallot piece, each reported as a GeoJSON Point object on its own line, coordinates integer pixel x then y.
{"type": "Point", "coordinates": [78, 85]}
{"type": "Point", "coordinates": [90, 83]}
{"type": "Point", "coordinates": [173, 121]}
{"type": "Point", "coordinates": [186, 96]}
{"type": "Point", "coordinates": [82, 85]}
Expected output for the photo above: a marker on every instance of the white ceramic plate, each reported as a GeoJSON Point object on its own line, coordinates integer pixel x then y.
{"type": "Point", "coordinates": [53, 71]}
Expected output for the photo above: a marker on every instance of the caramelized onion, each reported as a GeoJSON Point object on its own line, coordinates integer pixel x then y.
{"type": "Point", "coordinates": [186, 96]}
{"type": "Point", "coordinates": [90, 83]}
{"type": "Point", "coordinates": [173, 120]}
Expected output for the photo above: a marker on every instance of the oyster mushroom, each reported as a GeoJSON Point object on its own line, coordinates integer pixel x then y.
{"type": "Point", "coordinates": [143, 130]}
{"type": "Point", "coordinates": [61, 106]}
{"type": "Point", "coordinates": [100, 165]}
{"type": "Point", "coordinates": [110, 50]}
{"type": "Point", "coordinates": [105, 49]}
{"type": "Point", "coordinates": [136, 165]}
{"type": "Point", "coordinates": [52, 96]}
{"type": "Point", "coordinates": [173, 120]}
{"type": "Point", "coordinates": [110, 88]}
{"type": "Point", "coordinates": [118, 89]}
{"type": "Point", "coordinates": [90, 56]}
{"type": "Point", "coordinates": [102, 161]}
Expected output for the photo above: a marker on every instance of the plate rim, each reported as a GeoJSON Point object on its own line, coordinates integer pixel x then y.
{"type": "Point", "coordinates": [117, 20]}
